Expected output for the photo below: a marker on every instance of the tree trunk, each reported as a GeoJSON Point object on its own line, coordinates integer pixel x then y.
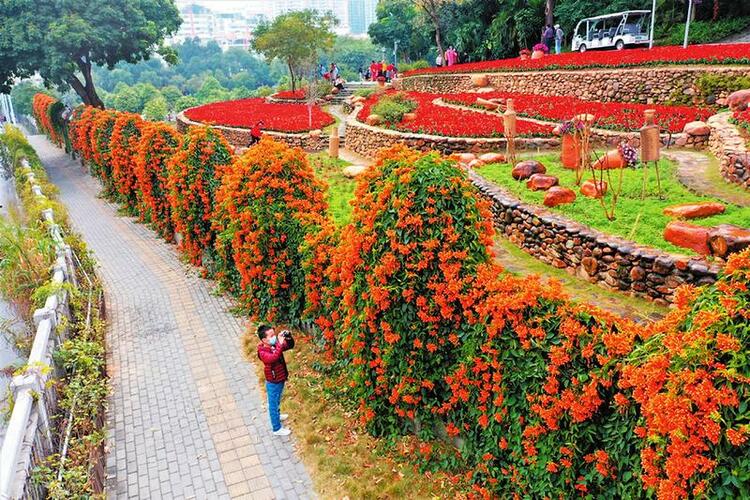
{"type": "Point", "coordinates": [438, 37]}
{"type": "Point", "coordinates": [549, 16]}
{"type": "Point", "coordinates": [291, 75]}
{"type": "Point", "coordinates": [86, 90]}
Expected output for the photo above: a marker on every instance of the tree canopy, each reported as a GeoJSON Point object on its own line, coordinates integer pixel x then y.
{"type": "Point", "coordinates": [296, 38]}
{"type": "Point", "coordinates": [64, 40]}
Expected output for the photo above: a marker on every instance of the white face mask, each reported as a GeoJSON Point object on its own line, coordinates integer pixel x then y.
{"type": "Point", "coordinates": [272, 340]}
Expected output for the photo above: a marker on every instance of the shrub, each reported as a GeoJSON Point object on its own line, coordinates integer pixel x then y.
{"type": "Point", "coordinates": [401, 274]}
{"type": "Point", "coordinates": [393, 107]}
{"type": "Point", "coordinates": [126, 133]}
{"type": "Point", "coordinates": [269, 200]}
{"type": "Point", "coordinates": [421, 64]}
{"type": "Point", "coordinates": [81, 125]}
{"type": "Point", "coordinates": [43, 106]}
{"type": "Point", "coordinates": [194, 175]}
{"type": "Point", "coordinates": [158, 143]}
{"type": "Point", "coordinates": [100, 135]}
{"type": "Point", "coordinates": [715, 84]}
{"type": "Point", "coordinates": [708, 31]}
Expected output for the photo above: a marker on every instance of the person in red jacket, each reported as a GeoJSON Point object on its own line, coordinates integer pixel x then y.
{"type": "Point", "coordinates": [256, 132]}
{"type": "Point", "coordinates": [271, 352]}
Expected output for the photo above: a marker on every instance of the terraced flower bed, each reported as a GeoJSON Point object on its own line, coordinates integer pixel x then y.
{"type": "Point", "coordinates": [742, 120]}
{"type": "Point", "coordinates": [619, 116]}
{"type": "Point", "coordinates": [245, 113]}
{"type": "Point", "coordinates": [636, 220]}
{"type": "Point", "coordinates": [289, 95]}
{"type": "Point", "coordinates": [437, 120]}
{"type": "Point", "coordinates": [738, 53]}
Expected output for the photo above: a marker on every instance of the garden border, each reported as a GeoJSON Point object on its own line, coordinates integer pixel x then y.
{"type": "Point", "coordinates": [610, 261]}
{"type": "Point", "coordinates": [643, 84]}
{"type": "Point", "coordinates": [240, 137]}
{"type": "Point", "coordinates": [731, 149]}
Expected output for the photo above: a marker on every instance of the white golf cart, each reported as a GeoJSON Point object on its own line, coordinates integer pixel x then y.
{"type": "Point", "coordinates": [617, 30]}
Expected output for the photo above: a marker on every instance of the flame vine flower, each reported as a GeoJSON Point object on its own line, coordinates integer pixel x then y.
{"type": "Point", "coordinates": [126, 134]}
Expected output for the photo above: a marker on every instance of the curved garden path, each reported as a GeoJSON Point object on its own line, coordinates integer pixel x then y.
{"type": "Point", "coordinates": [699, 172]}
{"type": "Point", "coordinates": [186, 416]}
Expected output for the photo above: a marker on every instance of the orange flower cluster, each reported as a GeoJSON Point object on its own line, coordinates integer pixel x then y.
{"type": "Point", "coordinates": [81, 125]}
{"type": "Point", "coordinates": [267, 202]}
{"type": "Point", "coordinates": [158, 143]}
{"type": "Point", "coordinates": [41, 106]}
{"type": "Point", "coordinates": [126, 135]}
{"type": "Point", "coordinates": [195, 171]}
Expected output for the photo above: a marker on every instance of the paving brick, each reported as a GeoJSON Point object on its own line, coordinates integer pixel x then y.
{"type": "Point", "coordinates": [184, 398]}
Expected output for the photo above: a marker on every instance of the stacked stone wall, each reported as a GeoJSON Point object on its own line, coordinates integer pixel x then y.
{"type": "Point", "coordinates": [648, 85]}
{"type": "Point", "coordinates": [730, 147]}
{"type": "Point", "coordinates": [609, 261]}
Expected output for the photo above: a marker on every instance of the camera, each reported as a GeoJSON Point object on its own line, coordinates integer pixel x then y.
{"type": "Point", "coordinates": [285, 333]}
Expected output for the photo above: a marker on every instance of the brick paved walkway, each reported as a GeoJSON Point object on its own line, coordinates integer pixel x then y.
{"type": "Point", "coordinates": [186, 417]}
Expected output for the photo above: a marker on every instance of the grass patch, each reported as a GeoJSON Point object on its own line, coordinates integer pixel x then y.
{"type": "Point", "coordinates": [640, 221]}
{"type": "Point", "coordinates": [340, 188]}
{"type": "Point", "coordinates": [343, 459]}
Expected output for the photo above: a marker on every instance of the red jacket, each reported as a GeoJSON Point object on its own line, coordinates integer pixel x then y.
{"type": "Point", "coordinates": [273, 360]}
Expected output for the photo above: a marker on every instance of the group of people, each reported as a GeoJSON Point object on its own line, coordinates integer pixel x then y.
{"type": "Point", "coordinates": [553, 36]}
{"type": "Point", "coordinates": [377, 70]}
{"type": "Point", "coordinates": [449, 59]}
{"type": "Point", "coordinates": [333, 74]}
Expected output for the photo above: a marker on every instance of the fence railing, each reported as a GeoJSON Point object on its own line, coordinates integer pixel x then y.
{"type": "Point", "coordinates": [29, 437]}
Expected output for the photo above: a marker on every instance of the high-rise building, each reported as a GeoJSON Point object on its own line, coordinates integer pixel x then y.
{"type": "Point", "coordinates": [361, 15]}
{"type": "Point", "coordinates": [226, 28]}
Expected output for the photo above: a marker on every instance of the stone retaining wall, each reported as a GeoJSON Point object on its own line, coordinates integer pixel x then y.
{"type": "Point", "coordinates": [730, 147]}
{"type": "Point", "coordinates": [609, 261]}
{"type": "Point", "coordinates": [366, 140]}
{"type": "Point", "coordinates": [240, 137]}
{"type": "Point", "coordinates": [650, 85]}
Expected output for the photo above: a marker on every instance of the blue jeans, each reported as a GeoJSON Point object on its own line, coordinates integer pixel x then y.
{"type": "Point", "coordinates": [274, 390]}
{"type": "Point", "coordinates": [558, 45]}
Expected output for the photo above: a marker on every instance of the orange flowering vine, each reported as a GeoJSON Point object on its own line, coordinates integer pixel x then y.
{"type": "Point", "coordinates": [126, 134]}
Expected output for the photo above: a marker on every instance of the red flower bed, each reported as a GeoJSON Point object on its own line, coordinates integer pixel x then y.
{"type": "Point", "coordinates": [245, 113]}
{"type": "Point", "coordinates": [695, 54]}
{"type": "Point", "coordinates": [298, 94]}
{"type": "Point", "coordinates": [437, 120]}
{"type": "Point", "coordinates": [742, 118]}
{"type": "Point", "coordinates": [610, 115]}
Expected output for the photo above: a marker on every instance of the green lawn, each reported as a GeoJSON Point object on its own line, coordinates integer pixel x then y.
{"type": "Point", "coordinates": [340, 188]}
{"type": "Point", "coordinates": [640, 221]}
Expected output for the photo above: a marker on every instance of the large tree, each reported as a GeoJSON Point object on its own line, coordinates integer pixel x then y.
{"type": "Point", "coordinates": [433, 9]}
{"type": "Point", "coordinates": [295, 38]}
{"type": "Point", "coordinates": [399, 20]}
{"type": "Point", "coordinates": [64, 39]}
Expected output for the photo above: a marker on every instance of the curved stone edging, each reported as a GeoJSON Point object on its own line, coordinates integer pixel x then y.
{"type": "Point", "coordinates": [613, 262]}
{"type": "Point", "coordinates": [731, 149]}
{"type": "Point", "coordinates": [366, 140]}
{"type": "Point", "coordinates": [240, 137]}
{"type": "Point", "coordinates": [648, 84]}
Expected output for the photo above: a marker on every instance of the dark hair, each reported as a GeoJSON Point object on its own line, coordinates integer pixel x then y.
{"type": "Point", "coordinates": [262, 330]}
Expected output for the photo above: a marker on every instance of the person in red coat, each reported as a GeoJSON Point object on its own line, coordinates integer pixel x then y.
{"type": "Point", "coordinates": [271, 352]}
{"type": "Point", "coordinates": [256, 132]}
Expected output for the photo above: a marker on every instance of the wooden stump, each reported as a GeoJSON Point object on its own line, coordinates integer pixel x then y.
{"type": "Point", "coordinates": [728, 238]}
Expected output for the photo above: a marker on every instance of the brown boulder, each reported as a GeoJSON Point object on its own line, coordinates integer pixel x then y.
{"type": "Point", "coordinates": [541, 182]}
{"type": "Point", "coordinates": [725, 239]}
{"type": "Point", "coordinates": [694, 210]}
{"type": "Point", "coordinates": [612, 159]}
{"type": "Point", "coordinates": [594, 189]}
{"type": "Point", "coordinates": [686, 235]}
{"type": "Point", "coordinates": [480, 80]}
{"type": "Point", "coordinates": [525, 169]}
{"type": "Point", "coordinates": [492, 158]}
{"type": "Point", "coordinates": [739, 101]}
{"type": "Point", "coordinates": [353, 171]}
{"type": "Point", "coordinates": [465, 158]}
{"type": "Point", "coordinates": [697, 128]}
{"type": "Point", "coordinates": [559, 195]}
{"type": "Point", "coordinates": [374, 120]}
{"type": "Point", "coordinates": [475, 164]}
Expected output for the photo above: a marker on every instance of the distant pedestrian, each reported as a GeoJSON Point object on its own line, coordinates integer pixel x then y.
{"type": "Point", "coordinates": [256, 132]}
{"type": "Point", "coordinates": [548, 37]}
{"type": "Point", "coordinates": [451, 56]}
{"type": "Point", "coordinates": [374, 70]}
{"type": "Point", "coordinates": [271, 352]}
{"type": "Point", "coordinates": [389, 72]}
{"type": "Point", "coordinates": [322, 70]}
{"type": "Point", "coordinates": [334, 71]}
{"type": "Point", "coordinates": [559, 38]}
{"type": "Point", "coordinates": [439, 60]}
{"type": "Point", "coordinates": [361, 73]}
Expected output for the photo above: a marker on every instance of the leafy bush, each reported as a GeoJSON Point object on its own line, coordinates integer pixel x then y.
{"type": "Point", "coordinates": [100, 137]}
{"type": "Point", "coordinates": [393, 107]}
{"type": "Point", "coordinates": [158, 143]}
{"type": "Point", "coordinates": [194, 175]}
{"type": "Point", "coordinates": [716, 83]}
{"type": "Point", "coordinates": [708, 31]}
{"type": "Point", "coordinates": [421, 64]}
{"type": "Point", "coordinates": [126, 134]}
{"type": "Point", "coordinates": [365, 92]}
{"type": "Point", "coordinates": [267, 202]}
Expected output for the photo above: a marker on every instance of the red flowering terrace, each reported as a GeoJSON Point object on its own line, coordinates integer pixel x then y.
{"type": "Point", "coordinates": [245, 113]}
{"type": "Point", "coordinates": [621, 116]}
{"type": "Point", "coordinates": [289, 95]}
{"type": "Point", "coordinates": [737, 53]}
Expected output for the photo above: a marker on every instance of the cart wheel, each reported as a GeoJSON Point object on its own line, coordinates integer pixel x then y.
{"type": "Point", "coordinates": [620, 45]}
{"type": "Point", "coordinates": [582, 48]}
